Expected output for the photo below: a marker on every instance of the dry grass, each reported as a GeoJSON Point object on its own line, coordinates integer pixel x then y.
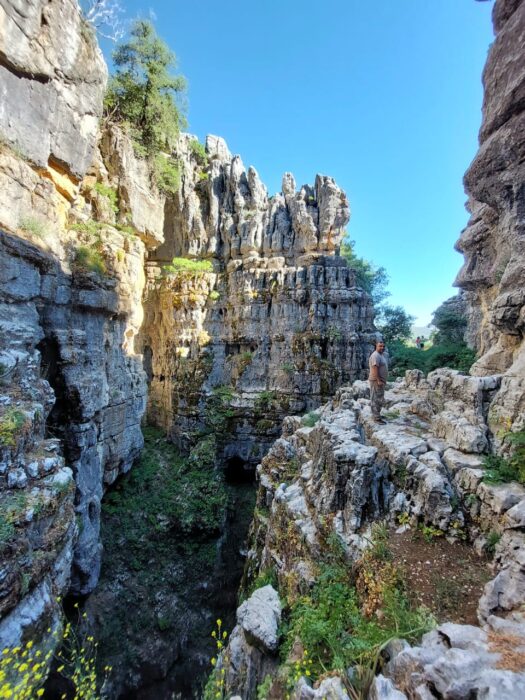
{"type": "Point", "coordinates": [511, 650]}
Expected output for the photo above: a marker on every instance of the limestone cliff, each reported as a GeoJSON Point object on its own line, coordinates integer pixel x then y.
{"type": "Point", "coordinates": [493, 243]}
{"type": "Point", "coordinates": [279, 318]}
{"type": "Point", "coordinates": [72, 388]}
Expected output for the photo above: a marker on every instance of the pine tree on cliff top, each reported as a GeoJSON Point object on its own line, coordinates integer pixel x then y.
{"type": "Point", "coordinates": [143, 95]}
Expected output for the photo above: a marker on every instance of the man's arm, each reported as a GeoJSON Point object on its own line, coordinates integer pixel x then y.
{"type": "Point", "coordinates": [374, 374]}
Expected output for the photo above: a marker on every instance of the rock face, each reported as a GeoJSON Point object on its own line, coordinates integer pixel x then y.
{"type": "Point", "coordinates": [423, 466]}
{"type": "Point", "coordinates": [493, 243]}
{"type": "Point", "coordinates": [73, 390]}
{"type": "Point", "coordinates": [279, 320]}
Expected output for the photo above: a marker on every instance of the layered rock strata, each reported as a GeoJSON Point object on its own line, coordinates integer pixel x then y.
{"type": "Point", "coordinates": [279, 319]}
{"type": "Point", "coordinates": [493, 243]}
{"type": "Point", "coordinates": [72, 387]}
{"type": "Point", "coordinates": [424, 466]}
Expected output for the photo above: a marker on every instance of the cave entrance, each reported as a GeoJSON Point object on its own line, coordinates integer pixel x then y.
{"type": "Point", "coordinates": [51, 369]}
{"type": "Point", "coordinates": [238, 471]}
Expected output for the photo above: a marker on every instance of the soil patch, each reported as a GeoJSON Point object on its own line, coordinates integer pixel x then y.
{"type": "Point", "coordinates": [446, 578]}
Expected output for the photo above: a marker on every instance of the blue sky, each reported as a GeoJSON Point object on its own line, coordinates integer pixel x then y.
{"type": "Point", "coordinates": [384, 96]}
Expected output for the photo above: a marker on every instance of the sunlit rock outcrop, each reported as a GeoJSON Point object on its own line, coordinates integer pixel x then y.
{"type": "Point", "coordinates": [493, 243]}
{"type": "Point", "coordinates": [278, 319]}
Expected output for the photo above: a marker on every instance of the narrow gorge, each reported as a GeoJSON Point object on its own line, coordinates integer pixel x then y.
{"type": "Point", "coordinates": [185, 423]}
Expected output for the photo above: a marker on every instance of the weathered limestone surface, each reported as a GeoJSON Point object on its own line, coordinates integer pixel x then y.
{"type": "Point", "coordinates": [346, 471]}
{"type": "Point", "coordinates": [280, 312]}
{"type": "Point", "coordinates": [493, 243]}
{"type": "Point", "coordinates": [69, 371]}
{"type": "Point", "coordinates": [52, 78]}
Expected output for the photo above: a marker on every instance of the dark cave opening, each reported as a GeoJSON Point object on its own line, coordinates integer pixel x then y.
{"type": "Point", "coordinates": [238, 471]}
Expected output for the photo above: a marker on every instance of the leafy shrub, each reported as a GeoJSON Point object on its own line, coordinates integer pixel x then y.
{"type": "Point", "coordinates": [492, 540]}
{"type": "Point", "coordinates": [310, 419]}
{"type": "Point", "coordinates": [12, 424]}
{"type": "Point", "coordinates": [372, 279]}
{"type": "Point", "coordinates": [214, 295]}
{"type": "Point", "coordinates": [166, 174]}
{"type": "Point", "coordinates": [199, 152]}
{"type": "Point", "coordinates": [456, 356]}
{"type": "Point", "coordinates": [89, 260]}
{"type": "Point", "coordinates": [500, 469]}
{"type": "Point", "coordinates": [109, 193]}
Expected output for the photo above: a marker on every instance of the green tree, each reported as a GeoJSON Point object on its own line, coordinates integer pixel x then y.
{"type": "Point", "coordinates": [142, 94]}
{"type": "Point", "coordinates": [372, 279]}
{"type": "Point", "coordinates": [450, 321]}
{"type": "Point", "coordinates": [394, 323]}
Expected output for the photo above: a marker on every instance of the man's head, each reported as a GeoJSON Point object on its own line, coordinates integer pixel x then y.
{"type": "Point", "coordinates": [380, 346]}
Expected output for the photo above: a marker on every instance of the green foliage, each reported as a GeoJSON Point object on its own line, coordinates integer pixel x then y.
{"type": "Point", "coordinates": [492, 540]}
{"type": "Point", "coordinates": [12, 424]}
{"type": "Point", "coordinates": [504, 469]}
{"type": "Point", "coordinates": [372, 279]}
{"type": "Point", "coordinates": [32, 225]}
{"type": "Point", "coordinates": [450, 324]}
{"type": "Point", "coordinates": [430, 533]}
{"type": "Point", "coordinates": [188, 266]}
{"type": "Point", "coordinates": [310, 419]}
{"type": "Point", "coordinates": [164, 492]}
{"type": "Point", "coordinates": [214, 295]}
{"type": "Point", "coordinates": [457, 356]}
{"type": "Point", "coordinates": [335, 632]}
{"type": "Point", "coordinates": [265, 577]}
{"type": "Point", "coordinates": [143, 95]}
{"type": "Point", "coordinates": [199, 152]}
{"type": "Point", "coordinates": [288, 367]}
{"type": "Point", "coordinates": [394, 323]}
{"type": "Point", "coordinates": [263, 401]}
{"type": "Point", "coordinates": [12, 511]}
{"type": "Point", "coordinates": [142, 92]}
{"type": "Point", "coordinates": [92, 228]}
{"type": "Point", "coordinates": [109, 193]}
{"type": "Point", "coordinates": [264, 688]}
{"type": "Point", "coordinates": [166, 174]}
{"type": "Point", "coordinates": [334, 334]}
{"type": "Point", "coordinates": [89, 260]}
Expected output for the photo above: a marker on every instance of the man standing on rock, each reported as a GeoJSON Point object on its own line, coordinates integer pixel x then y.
{"type": "Point", "coordinates": [378, 377]}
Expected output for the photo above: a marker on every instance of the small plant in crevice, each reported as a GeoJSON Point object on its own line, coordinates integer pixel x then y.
{"type": "Point", "coordinates": [88, 259]}
{"type": "Point", "coordinates": [493, 538]}
{"type": "Point", "coordinates": [30, 224]}
{"type": "Point", "coordinates": [12, 424]}
{"type": "Point", "coordinates": [500, 469]}
{"type": "Point", "coordinates": [109, 193]}
{"type": "Point", "coordinates": [264, 401]}
{"type": "Point", "coordinates": [198, 150]}
{"type": "Point", "coordinates": [310, 419]}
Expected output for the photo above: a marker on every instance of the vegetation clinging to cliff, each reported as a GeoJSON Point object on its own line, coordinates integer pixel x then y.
{"type": "Point", "coordinates": [142, 95]}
